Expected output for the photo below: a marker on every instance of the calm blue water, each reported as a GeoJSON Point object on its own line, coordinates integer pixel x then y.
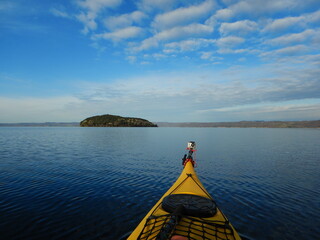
{"type": "Point", "coordinates": [97, 183]}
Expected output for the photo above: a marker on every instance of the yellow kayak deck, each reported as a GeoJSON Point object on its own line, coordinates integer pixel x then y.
{"type": "Point", "coordinates": [194, 228]}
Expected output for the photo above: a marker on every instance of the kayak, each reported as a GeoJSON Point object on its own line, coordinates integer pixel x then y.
{"type": "Point", "coordinates": [186, 211]}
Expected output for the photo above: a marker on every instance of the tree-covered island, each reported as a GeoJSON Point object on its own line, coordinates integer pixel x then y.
{"type": "Point", "coordinates": [108, 120]}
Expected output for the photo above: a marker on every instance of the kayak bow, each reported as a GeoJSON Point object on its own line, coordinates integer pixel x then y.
{"type": "Point", "coordinates": [186, 211]}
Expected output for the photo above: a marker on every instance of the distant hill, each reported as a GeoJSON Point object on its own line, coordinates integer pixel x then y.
{"type": "Point", "coordinates": [108, 120]}
{"type": "Point", "coordinates": [246, 124]}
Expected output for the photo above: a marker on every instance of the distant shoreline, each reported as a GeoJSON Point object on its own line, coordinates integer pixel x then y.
{"type": "Point", "coordinates": [246, 124]}
{"type": "Point", "coordinates": [45, 124]}
{"type": "Point", "coordinates": [240, 124]}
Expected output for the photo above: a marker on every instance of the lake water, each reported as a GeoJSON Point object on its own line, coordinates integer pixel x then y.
{"type": "Point", "coordinates": [98, 183]}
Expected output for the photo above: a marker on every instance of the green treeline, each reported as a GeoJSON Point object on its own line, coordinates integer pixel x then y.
{"type": "Point", "coordinates": [108, 120]}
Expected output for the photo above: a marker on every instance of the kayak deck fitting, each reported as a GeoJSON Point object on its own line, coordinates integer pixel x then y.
{"type": "Point", "coordinates": [185, 212]}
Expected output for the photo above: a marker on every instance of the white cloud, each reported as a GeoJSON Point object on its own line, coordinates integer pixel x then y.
{"type": "Point", "coordinates": [183, 15]}
{"type": "Point", "coordinates": [286, 110]}
{"type": "Point", "coordinates": [188, 45]}
{"type": "Point", "coordinates": [98, 5]}
{"type": "Point", "coordinates": [294, 38]}
{"type": "Point", "coordinates": [282, 24]}
{"type": "Point", "coordinates": [206, 55]}
{"type": "Point", "coordinates": [59, 13]}
{"type": "Point", "coordinates": [238, 28]}
{"type": "Point", "coordinates": [229, 42]}
{"type": "Point", "coordinates": [255, 7]}
{"type": "Point", "coordinates": [154, 5]}
{"type": "Point", "coordinates": [222, 14]}
{"type": "Point", "coordinates": [91, 10]}
{"type": "Point", "coordinates": [313, 17]}
{"type": "Point", "coordinates": [124, 20]}
{"type": "Point", "coordinates": [233, 51]}
{"type": "Point", "coordinates": [261, 8]}
{"type": "Point", "coordinates": [210, 56]}
{"type": "Point", "coordinates": [302, 107]}
{"type": "Point", "coordinates": [192, 30]}
{"type": "Point", "coordinates": [121, 34]}
{"type": "Point", "coordinates": [88, 21]}
{"type": "Point", "coordinates": [98, 46]}
{"type": "Point", "coordinates": [158, 56]}
{"type": "Point", "coordinates": [287, 51]}
{"type": "Point", "coordinates": [294, 50]}
{"type": "Point", "coordinates": [146, 44]}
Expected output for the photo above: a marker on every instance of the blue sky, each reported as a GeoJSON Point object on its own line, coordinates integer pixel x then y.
{"type": "Point", "coordinates": [163, 60]}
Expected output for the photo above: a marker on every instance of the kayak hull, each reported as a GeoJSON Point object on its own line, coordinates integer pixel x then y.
{"type": "Point", "coordinates": [214, 227]}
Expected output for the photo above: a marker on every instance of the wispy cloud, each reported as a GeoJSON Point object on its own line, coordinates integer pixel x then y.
{"type": "Point", "coordinates": [289, 110]}
{"type": "Point", "coordinates": [229, 42]}
{"type": "Point", "coordinates": [124, 20]}
{"type": "Point", "coordinates": [283, 24]}
{"type": "Point", "coordinates": [176, 33]}
{"type": "Point", "coordinates": [188, 45]}
{"type": "Point", "coordinates": [288, 51]}
{"type": "Point", "coordinates": [183, 15]}
{"type": "Point", "coordinates": [288, 23]}
{"type": "Point", "coordinates": [206, 91]}
{"type": "Point", "coordinates": [238, 28]}
{"type": "Point", "coordinates": [60, 13]}
{"type": "Point", "coordinates": [120, 34]}
{"type": "Point", "coordinates": [211, 57]}
{"type": "Point", "coordinates": [95, 6]}
{"type": "Point", "coordinates": [154, 5]}
{"type": "Point", "coordinates": [91, 9]}
{"type": "Point", "coordinates": [295, 38]}
{"type": "Point", "coordinates": [258, 8]}
{"type": "Point", "coordinates": [187, 31]}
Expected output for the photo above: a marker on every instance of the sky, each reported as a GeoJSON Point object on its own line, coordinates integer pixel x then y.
{"type": "Point", "coordinates": [162, 60]}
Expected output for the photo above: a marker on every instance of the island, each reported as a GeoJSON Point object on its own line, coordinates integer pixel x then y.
{"type": "Point", "coordinates": [108, 120]}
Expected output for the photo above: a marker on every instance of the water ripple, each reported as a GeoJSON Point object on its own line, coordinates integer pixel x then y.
{"type": "Point", "coordinates": [78, 183]}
